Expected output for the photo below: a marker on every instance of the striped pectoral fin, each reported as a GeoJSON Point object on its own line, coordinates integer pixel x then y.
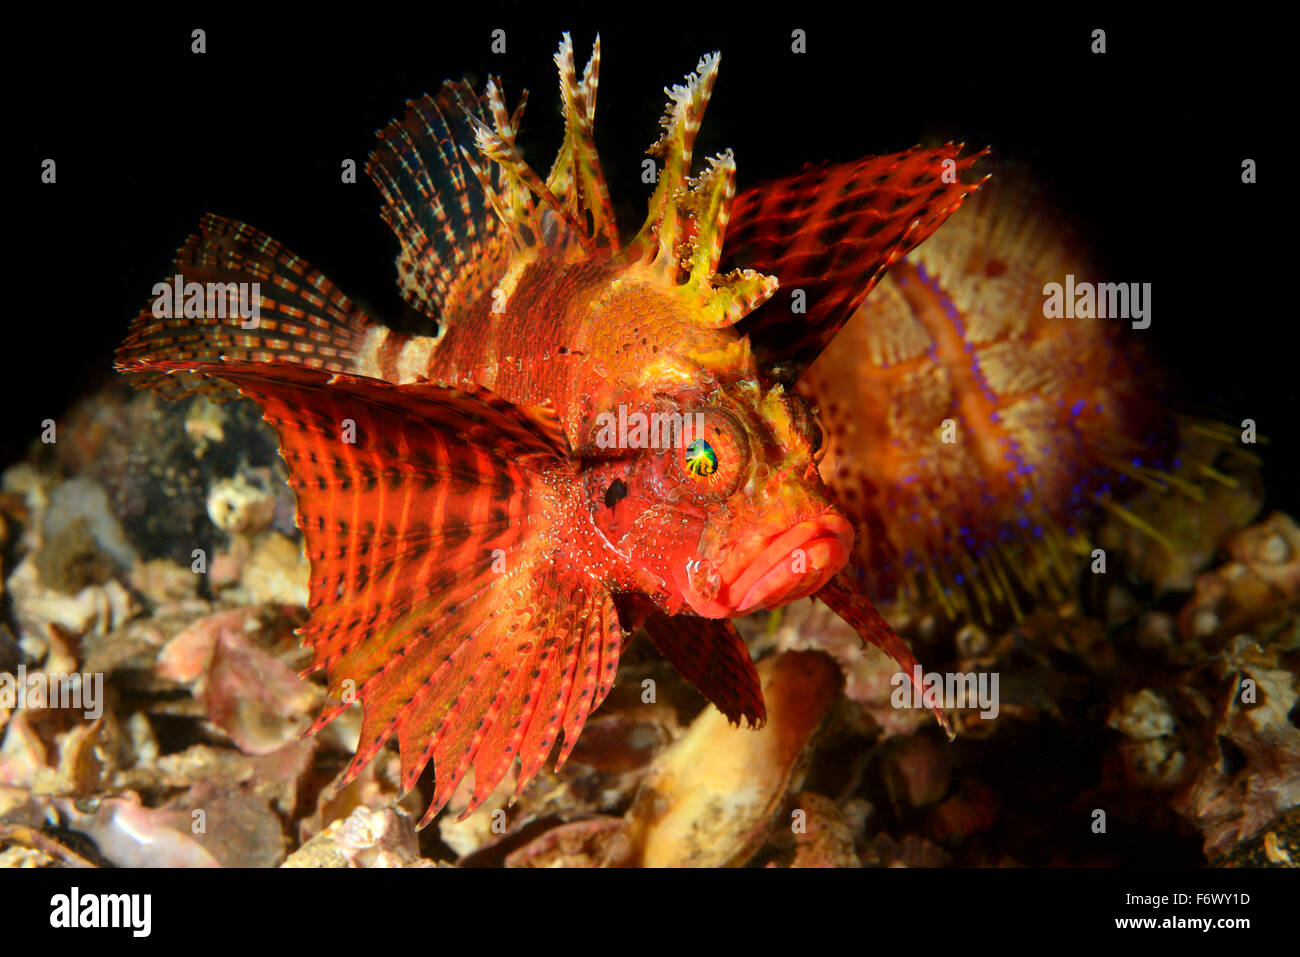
{"type": "Point", "coordinates": [712, 656]}
{"type": "Point", "coordinates": [438, 596]}
{"type": "Point", "coordinates": [828, 234]}
{"type": "Point", "coordinates": [844, 597]}
{"type": "Point", "coordinates": [493, 674]}
{"type": "Point", "coordinates": [237, 293]}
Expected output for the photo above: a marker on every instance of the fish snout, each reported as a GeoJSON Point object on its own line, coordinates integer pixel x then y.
{"type": "Point", "coordinates": [768, 573]}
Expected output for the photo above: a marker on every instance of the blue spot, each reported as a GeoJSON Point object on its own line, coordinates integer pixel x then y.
{"type": "Point", "coordinates": [959, 578]}
{"type": "Point", "coordinates": [1079, 407]}
{"type": "Point", "coordinates": [1022, 522]}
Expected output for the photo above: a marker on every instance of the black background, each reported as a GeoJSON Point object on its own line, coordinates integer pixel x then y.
{"type": "Point", "coordinates": [1143, 146]}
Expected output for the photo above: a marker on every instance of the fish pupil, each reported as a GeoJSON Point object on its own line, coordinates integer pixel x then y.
{"type": "Point", "coordinates": [701, 460]}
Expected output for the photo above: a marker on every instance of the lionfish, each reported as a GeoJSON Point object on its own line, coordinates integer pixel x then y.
{"type": "Point", "coordinates": [478, 557]}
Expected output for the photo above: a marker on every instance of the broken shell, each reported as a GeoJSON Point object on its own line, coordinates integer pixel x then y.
{"type": "Point", "coordinates": [1143, 716]}
{"type": "Point", "coordinates": [131, 835]}
{"type": "Point", "coordinates": [86, 500]}
{"type": "Point", "coordinates": [824, 837]}
{"type": "Point", "coordinates": [186, 657]}
{"type": "Point", "coordinates": [595, 842]}
{"type": "Point", "coordinates": [709, 800]}
{"type": "Point", "coordinates": [1271, 550]}
{"type": "Point", "coordinates": [366, 838]}
{"type": "Point", "coordinates": [163, 582]}
{"type": "Point", "coordinates": [95, 609]}
{"type": "Point", "coordinates": [204, 421]}
{"type": "Point", "coordinates": [917, 771]}
{"type": "Point", "coordinates": [234, 825]}
{"type": "Point", "coordinates": [254, 697]}
{"type": "Point", "coordinates": [276, 572]}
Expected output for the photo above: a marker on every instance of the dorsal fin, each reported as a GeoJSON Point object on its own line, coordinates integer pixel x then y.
{"type": "Point", "coordinates": [688, 216]}
{"type": "Point", "coordinates": [302, 318]}
{"type": "Point", "coordinates": [831, 232]}
{"type": "Point", "coordinates": [452, 245]}
{"type": "Point", "coordinates": [577, 178]}
{"type": "Point", "coordinates": [569, 217]}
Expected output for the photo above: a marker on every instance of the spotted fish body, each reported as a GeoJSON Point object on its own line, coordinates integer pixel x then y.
{"type": "Point", "coordinates": [478, 551]}
{"type": "Point", "coordinates": [968, 431]}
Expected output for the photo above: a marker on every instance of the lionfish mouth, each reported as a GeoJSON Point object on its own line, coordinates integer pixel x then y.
{"type": "Point", "coordinates": [790, 565]}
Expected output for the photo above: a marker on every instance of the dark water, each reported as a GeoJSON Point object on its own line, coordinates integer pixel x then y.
{"type": "Point", "coordinates": [1143, 146]}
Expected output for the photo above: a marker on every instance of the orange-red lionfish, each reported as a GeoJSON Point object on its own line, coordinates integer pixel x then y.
{"type": "Point", "coordinates": [478, 552]}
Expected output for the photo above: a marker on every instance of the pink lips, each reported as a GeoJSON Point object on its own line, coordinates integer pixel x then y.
{"type": "Point", "coordinates": [778, 574]}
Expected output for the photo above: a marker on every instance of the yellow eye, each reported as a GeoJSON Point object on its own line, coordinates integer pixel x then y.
{"type": "Point", "coordinates": [701, 459]}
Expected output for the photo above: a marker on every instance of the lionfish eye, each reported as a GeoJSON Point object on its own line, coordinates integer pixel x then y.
{"type": "Point", "coordinates": [713, 458]}
{"type": "Point", "coordinates": [701, 459]}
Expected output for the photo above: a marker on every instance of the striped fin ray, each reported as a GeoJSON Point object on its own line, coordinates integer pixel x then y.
{"type": "Point", "coordinates": [712, 656]}
{"type": "Point", "coordinates": [303, 318]}
{"type": "Point", "coordinates": [497, 214]}
{"type": "Point", "coordinates": [570, 215]}
{"type": "Point", "coordinates": [680, 244]}
{"type": "Point", "coordinates": [843, 595]}
{"type": "Point", "coordinates": [832, 232]}
{"type": "Point", "coordinates": [440, 594]}
{"type": "Point", "coordinates": [577, 178]}
{"type": "Point", "coordinates": [452, 246]}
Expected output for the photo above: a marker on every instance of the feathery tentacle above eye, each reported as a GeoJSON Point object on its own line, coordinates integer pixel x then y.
{"type": "Point", "coordinates": [437, 187]}
{"type": "Point", "coordinates": [684, 230]}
